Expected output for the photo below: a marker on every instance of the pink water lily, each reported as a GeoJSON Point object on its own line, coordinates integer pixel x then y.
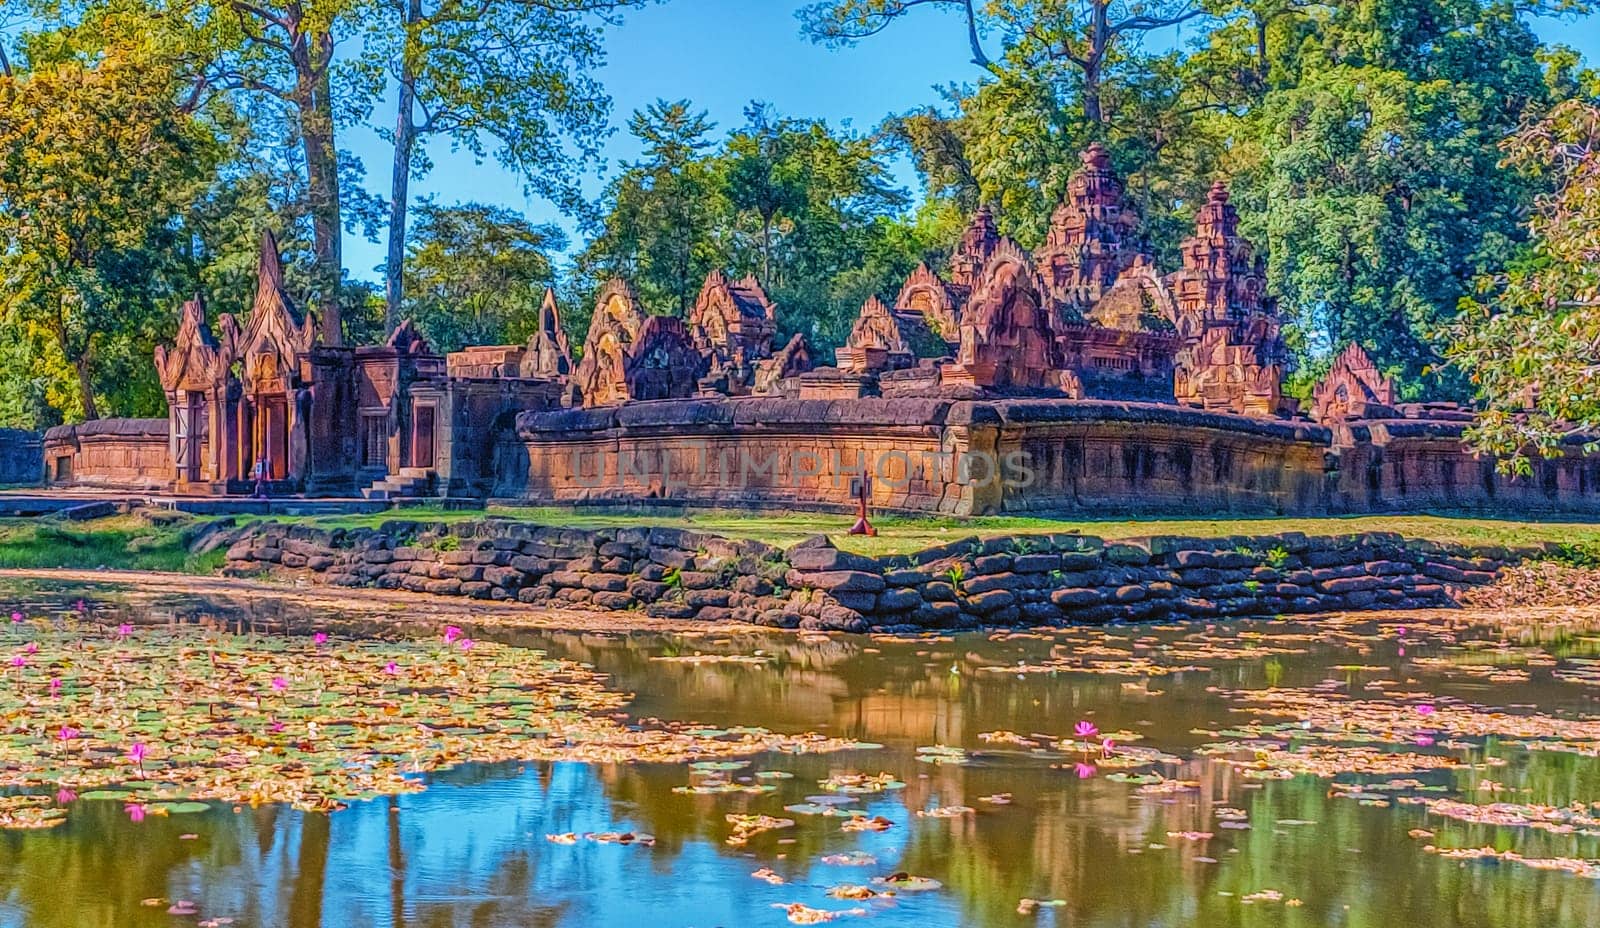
{"type": "Point", "coordinates": [124, 630]}
{"type": "Point", "coordinates": [391, 668]}
{"type": "Point", "coordinates": [1106, 747]}
{"type": "Point", "coordinates": [1425, 709]}
{"type": "Point", "coordinates": [135, 811]}
{"type": "Point", "coordinates": [64, 796]}
{"type": "Point", "coordinates": [279, 684]}
{"type": "Point", "coordinates": [275, 727]}
{"type": "Point", "coordinates": [451, 633]}
{"type": "Point", "coordinates": [1084, 771]}
{"type": "Point", "coordinates": [31, 647]}
{"type": "Point", "coordinates": [1086, 729]}
{"type": "Point", "coordinates": [81, 606]}
{"type": "Point", "coordinates": [55, 686]}
{"type": "Point", "coordinates": [67, 733]}
{"type": "Point", "coordinates": [320, 638]}
{"type": "Point", "coordinates": [17, 617]}
{"type": "Point", "coordinates": [137, 752]}
{"type": "Point", "coordinates": [19, 661]}
{"type": "Point", "coordinates": [467, 644]}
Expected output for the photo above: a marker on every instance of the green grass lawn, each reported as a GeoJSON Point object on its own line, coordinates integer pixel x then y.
{"type": "Point", "coordinates": [899, 534]}
{"type": "Point", "coordinates": [137, 542]}
{"type": "Point", "coordinates": [129, 542]}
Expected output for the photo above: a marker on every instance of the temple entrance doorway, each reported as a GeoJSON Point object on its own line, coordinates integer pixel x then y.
{"type": "Point", "coordinates": [422, 436]}
{"type": "Point", "coordinates": [270, 442]}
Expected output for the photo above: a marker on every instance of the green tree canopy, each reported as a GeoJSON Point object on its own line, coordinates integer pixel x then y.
{"type": "Point", "coordinates": [96, 162]}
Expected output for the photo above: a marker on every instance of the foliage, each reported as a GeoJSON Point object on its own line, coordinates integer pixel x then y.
{"type": "Point", "coordinates": [475, 274]}
{"type": "Point", "coordinates": [1527, 337]}
{"type": "Point", "coordinates": [95, 160]}
{"type": "Point", "coordinates": [508, 73]}
{"type": "Point", "coordinates": [808, 210]}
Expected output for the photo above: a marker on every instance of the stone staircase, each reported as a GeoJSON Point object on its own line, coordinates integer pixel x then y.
{"type": "Point", "coordinates": [410, 483]}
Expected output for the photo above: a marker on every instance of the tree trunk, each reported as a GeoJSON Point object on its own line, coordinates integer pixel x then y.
{"type": "Point", "coordinates": [86, 386]}
{"type": "Point", "coordinates": [399, 187]}
{"type": "Point", "coordinates": [1094, 61]}
{"type": "Point", "coordinates": [314, 102]}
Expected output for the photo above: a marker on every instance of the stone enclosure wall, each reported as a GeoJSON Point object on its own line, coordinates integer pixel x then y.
{"type": "Point", "coordinates": [928, 455]}
{"type": "Point", "coordinates": [20, 460]}
{"type": "Point", "coordinates": [122, 454]}
{"type": "Point", "coordinates": [1035, 580]}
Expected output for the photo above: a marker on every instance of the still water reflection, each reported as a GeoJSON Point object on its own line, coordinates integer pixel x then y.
{"type": "Point", "coordinates": [472, 849]}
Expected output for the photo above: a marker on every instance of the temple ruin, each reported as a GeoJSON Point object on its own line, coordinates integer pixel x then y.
{"type": "Point", "coordinates": [1082, 376]}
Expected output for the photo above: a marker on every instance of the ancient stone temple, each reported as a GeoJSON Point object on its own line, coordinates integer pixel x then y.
{"type": "Point", "coordinates": [1087, 314]}
{"type": "Point", "coordinates": [1233, 359]}
{"type": "Point", "coordinates": [547, 354]}
{"type": "Point", "coordinates": [632, 355]}
{"type": "Point", "coordinates": [1092, 237]}
{"type": "Point", "coordinates": [1353, 389]}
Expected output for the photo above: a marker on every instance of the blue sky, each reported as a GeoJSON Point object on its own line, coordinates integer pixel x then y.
{"type": "Point", "coordinates": [721, 54]}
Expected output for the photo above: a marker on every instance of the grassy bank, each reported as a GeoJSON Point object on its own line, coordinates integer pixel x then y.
{"type": "Point", "coordinates": [158, 541]}
{"type": "Point", "coordinates": [901, 534]}
{"type": "Point", "coordinates": [128, 542]}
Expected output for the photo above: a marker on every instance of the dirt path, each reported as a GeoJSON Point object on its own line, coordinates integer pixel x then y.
{"type": "Point", "coordinates": [407, 607]}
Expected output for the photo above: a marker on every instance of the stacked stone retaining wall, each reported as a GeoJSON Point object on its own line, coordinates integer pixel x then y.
{"type": "Point", "coordinates": [1031, 580]}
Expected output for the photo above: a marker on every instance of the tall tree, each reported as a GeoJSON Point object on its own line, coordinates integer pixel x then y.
{"type": "Point", "coordinates": [1372, 176]}
{"type": "Point", "coordinates": [95, 160]}
{"type": "Point", "coordinates": [1528, 339]}
{"type": "Point", "coordinates": [662, 210]}
{"type": "Point", "coordinates": [514, 74]}
{"type": "Point", "coordinates": [476, 274]}
{"type": "Point", "coordinates": [1083, 38]}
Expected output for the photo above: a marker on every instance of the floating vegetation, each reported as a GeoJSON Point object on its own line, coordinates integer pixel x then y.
{"type": "Point", "coordinates": [160, 718]}
{"type": "Point", "coordinates": [941, 754]}
{"type": "Point", "coordinates": [746, 827]}
{"type": "Point", "coordinates": [861, 783]}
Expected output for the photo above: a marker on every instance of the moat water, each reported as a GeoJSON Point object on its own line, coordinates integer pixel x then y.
{"type": "Point", "coordinates": [1199, 835]}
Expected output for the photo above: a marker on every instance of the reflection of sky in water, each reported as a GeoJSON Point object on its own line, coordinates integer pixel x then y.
{"type": "Point", "coordinates": [471, 850]}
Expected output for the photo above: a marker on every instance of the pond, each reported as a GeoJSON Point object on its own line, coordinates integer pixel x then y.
{"type": "Point", "coordinates": [1437, 769]}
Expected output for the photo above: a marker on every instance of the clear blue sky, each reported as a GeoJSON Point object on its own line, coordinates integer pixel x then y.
{"type": "Point", "coordinates": [721, 54]}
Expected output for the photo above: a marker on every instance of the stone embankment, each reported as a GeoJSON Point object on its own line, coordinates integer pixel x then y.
{"type": "Point", "coordinates": [1035, 580]}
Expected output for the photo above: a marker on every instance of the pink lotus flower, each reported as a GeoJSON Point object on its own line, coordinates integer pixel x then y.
{"type": "Point", "coordinates": [391, 668]}
{"type": "Point", "coordinates": [17, 617]}
{"type": "Point", "coordinates": [67, 733]}
{"type": "Point", "coordinates": [55, 686]}
{"type": "Point", "coordinates": [467, 644]}
{"type": "Point", "coordinates": [64, 796]}
{"type": "Point", "coordinates": [1106, 747]}
{"type": "Point", "coordinates": [279, 684]}
{"type": "Point", "coordinates": [1086, 729]}
{"type": "Point", "coordinates": [1084, 771]}
{"type": "Point", "coordinates": [124, 630]}
{"type": "Point", "coordinates": [135, 811]}
{"type": "Point", "coordinates": [451, 633]}
{"type": "Point", "coordinates": [137, 752]}
{"type": "Point", "coordinates": [1425, 709]}
{"type": "Point", "coordinates": [31, 647]}
{"type": "Point", "coordinates": [275, 727]}
{"type": "Point", "coordinates": [19, 661]}
{"type": "Point", "coordinates": [320, 638]}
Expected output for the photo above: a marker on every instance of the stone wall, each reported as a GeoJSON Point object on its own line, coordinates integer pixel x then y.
{"type": "Point", "coordinates": [1035, 580]}
{"type": "Point", "coordinates": [20, 456]}
{"type": "Point", "coordinates": [1408, 465]}
{"type": "Point", "coordinates": [122, 454]}
{"type": "Point", "coordinates": [928, 455]}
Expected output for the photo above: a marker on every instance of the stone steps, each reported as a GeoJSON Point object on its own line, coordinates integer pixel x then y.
{"type": "Point", "coordinates": [410, 483]}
